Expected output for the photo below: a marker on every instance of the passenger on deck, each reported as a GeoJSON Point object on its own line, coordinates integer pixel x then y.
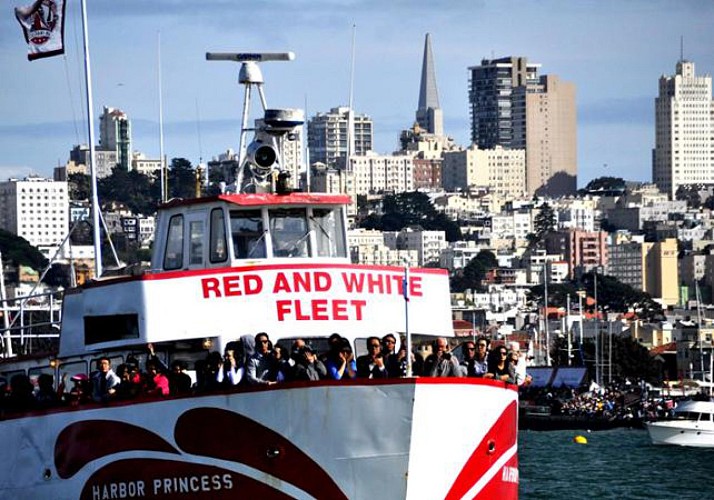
{"type": "Point", "coordinates": [280, 371]}
{"type": "Point", "coordinates": [81, 391]}
{"type": "Point", "coordinates": [127, 388]}
{"type": "Point", "coordinates": [498, 368]}
{"type": "Point", "coordinates": [209, 369]}
{"type": "Point", "coordinates": [341, 361]}
{"type": "Point", "coordinates": [295, 354]}
{"type": "Point", "coordinates": [333, 342]}
{"type": "Point", "coordinates": [475, 362]}
{"type": "Point", "coordinates": [371, 365]}
{"type": "Point", "coordinates": [231, 372]}
{"type": "Point", "coordinates": [156, 383]}
{"type": "Point", "coordinates": [441, 363]}
{"type": "Point", "coordinates": [517, 365]}
{"type": "Point", "coordinates": [308, 367]}
{"type": "Point", "coordinates": [46, 396]}
{"type": "Point", "coordinates": [179, 381]}
{"type": "Point", "coordinates": [21, 397]}
{"type": "Point", "coordinates": [104, 381]}
{"type": "Point", "coordinates": [391, 358]}
{"type": "Point", "coordinates": [260, 363]}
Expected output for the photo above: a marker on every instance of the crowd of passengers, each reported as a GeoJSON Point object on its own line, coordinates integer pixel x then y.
{"type": "Point", "coordinates": [254, 361]}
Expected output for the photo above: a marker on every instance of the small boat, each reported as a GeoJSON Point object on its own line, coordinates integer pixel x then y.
{"type": "Point", "coordinates": [692, 425]}
{"type": "Point", "coordinates": [264, 258]}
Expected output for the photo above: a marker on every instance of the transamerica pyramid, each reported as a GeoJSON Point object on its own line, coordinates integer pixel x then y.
{"type": "Point", "coordinates": [429, 115]}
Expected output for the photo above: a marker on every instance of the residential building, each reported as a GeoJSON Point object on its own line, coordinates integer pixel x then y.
{"type": "Point", "coordinates": [375, 173]}
{"type": "Point", "coordinates": [328, 138]}
{"type": "Point", "coordinates": [512, 107]}
{"type": "Point", "coordinates": [367, 247]}
{"type": "Point", "coordinates": [428, 244]}
{"type": "Point", "coordinates": [37, 210]}
{"type": "Point", "coordinates": [499, 169]}
{"type": "Point", "coordinates": [115, 135]}
{"type": "Point", "coordinates": [684, 130]}
{"type": "Point", "coordinates": [583, 250]}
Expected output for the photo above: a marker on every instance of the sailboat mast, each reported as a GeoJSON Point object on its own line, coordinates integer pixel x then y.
{"type": "Point", "coordinates": [92, 157]}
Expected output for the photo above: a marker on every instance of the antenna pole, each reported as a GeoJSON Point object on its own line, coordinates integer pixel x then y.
{"type": "Point", "coordinates": [164, 177]}
{"type": "Point", "coordinates": [92, 158]}
{"type": "Point", "coordinates": [350, 112]}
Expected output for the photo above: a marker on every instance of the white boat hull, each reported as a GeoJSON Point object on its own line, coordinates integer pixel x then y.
{"type": "Point", "coordinates": [682, 433]}
{"type": "Point", "coordinates": [402, 438]}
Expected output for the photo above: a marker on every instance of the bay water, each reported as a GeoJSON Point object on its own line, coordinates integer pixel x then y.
{"type": "Point", "coordinates": [617, 464]}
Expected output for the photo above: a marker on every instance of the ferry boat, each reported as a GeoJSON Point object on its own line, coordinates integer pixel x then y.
{"type": "Point", "coordinates": [264, 258]}
{"type": "Point", "coordinates": [692, 425]}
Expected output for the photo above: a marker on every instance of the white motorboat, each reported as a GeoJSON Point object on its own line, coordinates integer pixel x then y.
{"type": "Point", "coordinates": [693, 425]}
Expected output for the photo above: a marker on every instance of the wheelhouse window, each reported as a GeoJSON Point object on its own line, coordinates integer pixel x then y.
{"type": "Point", "coordinates": [173, 256]}
{"type": "Point", "coordinates": [328, 232]}
{"type": "Point", "coordinates": [289, 232]}
{"type": "Point", "coordinates": [195, 235]}
{"type": "Point", "coordinates": [218, 236]}
{"type": "Point", "coordinates": [248, 234]}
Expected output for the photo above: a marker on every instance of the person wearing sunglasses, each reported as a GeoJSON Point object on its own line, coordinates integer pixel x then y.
{"type": "Point", "coordinates": [499, 365]}
{"type": "Point", "coordinates": [371, 365]}
{"type": "Point", "coordinates": [475, 362]}
{"type": "Point", "coordinates": [260, 363]}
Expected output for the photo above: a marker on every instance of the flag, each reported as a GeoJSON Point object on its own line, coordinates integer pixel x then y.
{"type": "Point", "coordinates": [43, 26]}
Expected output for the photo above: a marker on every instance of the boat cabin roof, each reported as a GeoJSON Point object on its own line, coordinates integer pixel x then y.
{"type": "Point", "coordinates": [265, 199]}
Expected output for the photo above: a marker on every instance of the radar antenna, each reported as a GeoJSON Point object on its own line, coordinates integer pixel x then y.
{"type": "Point", "coordinates": [250, 75]}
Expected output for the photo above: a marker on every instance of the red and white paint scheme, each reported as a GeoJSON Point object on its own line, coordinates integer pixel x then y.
{"type": "Point", "coordinates": [272, 261]}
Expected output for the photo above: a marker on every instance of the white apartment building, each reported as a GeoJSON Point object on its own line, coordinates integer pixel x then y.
{"type": "Point", "coordinates": [328, 138]}
{"type": "Point", "coordinates": [367, 247]}
{"type": "Point", "coordinates": [428, 244]}
{"type": "Point", "coordinates": [575, 213]}
{"type": "Point", "coordinates": [334, 181]}
{"type": "Point", "coordinates": [375, 173]}
{"type": "Point", "coordinates": [684, 130]}
{"type": "Point", "coordinates": [503, 171]}
{"type": "Point", "coordinates": [458, 254]}
{"type": "Point", "coordinates": [147, 166]}
{"type": "Point", "coordinates": [36, 209]}
{"type": "Point", "coordinates": [516, 225]}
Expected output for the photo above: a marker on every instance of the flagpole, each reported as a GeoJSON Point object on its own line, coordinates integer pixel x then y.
{"type": "Point", "coordinates": [92, 157]}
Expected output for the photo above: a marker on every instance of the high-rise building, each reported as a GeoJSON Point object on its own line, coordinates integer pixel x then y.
{"type": "Point", "coordinates": [115, 135]}
{"type": "Point", "coordinates": [512, 107]}
{"type": "Point", "coordinates": [36, 209]}
{"type": "Point", "coordinates": [429, 115]}
{"type": "Point", "coordinates": [684, 130]}
{"type": "Point", "coordinates": [328, 138]}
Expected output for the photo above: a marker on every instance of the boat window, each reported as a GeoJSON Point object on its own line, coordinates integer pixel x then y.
{"type": "Point", "coordinates": [248, 234]}
{"type": "Point", "coordinates": [98, 329]}
{"type": "Point", "coordinates": [329, 232]}
{"type": "Point", "coordinates": [218, 236]}
{"type": "Point", "coordinates": [290, 232]}
{"type": "Point", "coordinates": [173, 257]}
{"type": "Point", "coordinates": [195, 236]}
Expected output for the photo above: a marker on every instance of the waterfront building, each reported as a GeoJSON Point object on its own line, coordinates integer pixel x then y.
{"type": "Point", "coordinates": [513, 107]}
{"type": "Point", "coordinates": [684, 130]}
{"type": "Point", "coordinates": [328, 138]}
{"type": "Point", "coordinates": [36, 209]}
{"type": "Point", "coordinates": [115, 135]}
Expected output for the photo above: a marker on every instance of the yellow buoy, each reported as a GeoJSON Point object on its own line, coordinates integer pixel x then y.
{"type": "Point", "coordinates": [580, 440]}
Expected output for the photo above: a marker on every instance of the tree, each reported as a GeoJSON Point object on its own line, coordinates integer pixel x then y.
{"type": "Point", "coordinates": [616, 296]}
{"type": "Point", "coordinates": [604, 184]}
{"type": "Point", "coordinates": [543, 223]}
{"type": "Point", "coordinates": [19, 252]}
{"type": "Point", "coordinates": [472, 276]}
{"type": "Point", "coordinates": [181, 179]}
{"type": "Point", "coordinates": [411, 209]}
{"type": "Point", "coordinates": [79, 187]}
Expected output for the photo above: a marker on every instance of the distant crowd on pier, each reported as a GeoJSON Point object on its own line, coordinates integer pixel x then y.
{"type": "Point", "coordinates": [256, 361]}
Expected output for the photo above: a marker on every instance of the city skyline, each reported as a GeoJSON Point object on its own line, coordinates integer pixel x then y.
{"type": "Point", "coordinates": [615, 69]}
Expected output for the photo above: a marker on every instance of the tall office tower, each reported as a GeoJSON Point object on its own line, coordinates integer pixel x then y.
{"type": "Point", "coordinates": [115, 135]}
{"type": "Point", "coordinates": [512, 107]}
{"type": "Point", "coordinates": [36, 209]}
{"type": "Point", "coordinates": [429, 115]}
{"type": "Point", "coordinates": [327, 137]}
{"type": "Point", "coordinates": [684, 130]}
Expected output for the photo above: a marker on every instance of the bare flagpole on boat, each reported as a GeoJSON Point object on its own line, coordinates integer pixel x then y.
{"type": "Point", "coordinates": [92, 162]}
{"type": "Point", "coordinates": [164, 176]}
{"type": "Point", "coordinates": [407, 333]}
{"type": "Point", "coordinates": [5, 312]}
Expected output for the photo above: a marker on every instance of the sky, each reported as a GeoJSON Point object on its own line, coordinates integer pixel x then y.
{"type": "Point", "coordinates": [613, 50]}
